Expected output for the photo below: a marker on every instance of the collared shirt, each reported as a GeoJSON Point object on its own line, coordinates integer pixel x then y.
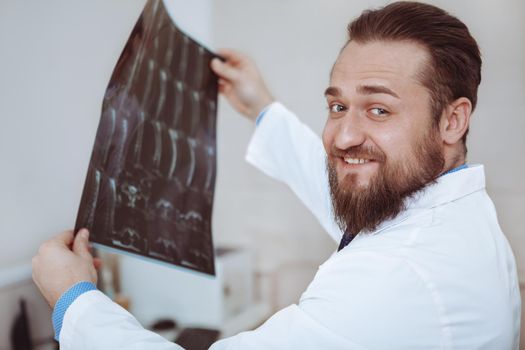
{"type": "Point", "coordinates": [439, 275]}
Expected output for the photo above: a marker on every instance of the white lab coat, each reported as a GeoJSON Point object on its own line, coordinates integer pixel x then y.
{"type": "Point", "coordinates": [441, 275]}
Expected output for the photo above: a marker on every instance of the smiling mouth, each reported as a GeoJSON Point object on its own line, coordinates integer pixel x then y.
{"type": "Point", "coordinates": [350, 160]}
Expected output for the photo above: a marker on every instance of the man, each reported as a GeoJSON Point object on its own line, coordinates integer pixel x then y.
{"type": "Point", "coordinates": [421, 263]}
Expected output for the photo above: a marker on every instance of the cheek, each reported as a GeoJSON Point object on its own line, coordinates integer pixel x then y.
{"type": "Point", "coordinates": [396, 144]}
{"type": "Point", "coordinates": [328, 135]}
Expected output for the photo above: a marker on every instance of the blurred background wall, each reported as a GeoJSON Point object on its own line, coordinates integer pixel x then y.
{"type": "Point", "coordinates": [56, 59]}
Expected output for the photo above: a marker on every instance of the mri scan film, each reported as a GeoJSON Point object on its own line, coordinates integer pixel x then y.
{"type": "Point", "coordinates": [150, 182]}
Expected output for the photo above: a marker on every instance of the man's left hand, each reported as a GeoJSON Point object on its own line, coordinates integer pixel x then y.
{"type": "Point", "coordinates": [62, 262]}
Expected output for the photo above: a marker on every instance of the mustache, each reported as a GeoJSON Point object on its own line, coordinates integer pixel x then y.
{"type": "Point", "coordinates": [360, 151]}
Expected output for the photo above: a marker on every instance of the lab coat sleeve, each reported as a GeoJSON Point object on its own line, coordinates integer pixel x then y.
{"type": "Point", "coordinates": [289, 151]}
{"type": "Point", "coordinates": [291, 328]}
{"type": "Point", "coordinates": [355, 301]}
{"type": "Point", "coordinates": [94, 322]}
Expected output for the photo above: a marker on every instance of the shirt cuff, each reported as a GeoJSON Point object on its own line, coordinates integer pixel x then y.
{"type": "Point", "coordinates": [263, 112]}
{"type": "Point", "coordinates": [67, 299]}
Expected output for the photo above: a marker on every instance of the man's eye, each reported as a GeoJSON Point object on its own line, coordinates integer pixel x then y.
{"type": "Point", "coordinates": [380, 112]}
{"type": "Point", "coordinates": [336, 108]}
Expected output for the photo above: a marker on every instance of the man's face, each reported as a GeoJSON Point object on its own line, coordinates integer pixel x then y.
{"type": "Point", "coordinates": [381, 143]}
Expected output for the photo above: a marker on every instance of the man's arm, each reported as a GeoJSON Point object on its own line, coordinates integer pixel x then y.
{"type": "Point", "coordinates": [92, 321]}
{"type": "Point", "coordinates": [282, 146]}
{"type": "Point", "coordinates": [353, 298]}
{"type": "Point", "coordinates": [95, 322]}
{"type": "Point", "coordinates": [85, 319]}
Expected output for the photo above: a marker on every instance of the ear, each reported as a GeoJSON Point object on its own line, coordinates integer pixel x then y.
{"type": "Point", "coordinates": [455, 120]}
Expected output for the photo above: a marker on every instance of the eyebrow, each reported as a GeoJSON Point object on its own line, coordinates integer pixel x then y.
{"type": "Point", "coordinates": [362, 89]}
{"type": "Point", "coordinates": [332, 91]}
{"type": "Point", "coordinates": [375, 89]}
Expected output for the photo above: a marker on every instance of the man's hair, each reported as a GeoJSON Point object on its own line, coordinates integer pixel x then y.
{"type": "Point", "coordinates": [454, 69]}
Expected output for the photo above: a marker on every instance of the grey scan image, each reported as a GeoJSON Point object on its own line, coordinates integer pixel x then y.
{"type": "Point", "coordinates": [151, 178]}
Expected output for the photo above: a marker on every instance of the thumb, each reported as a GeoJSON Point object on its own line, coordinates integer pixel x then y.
{"type": "Point", "coordinates": [65, 238]}
{"type": "Point", "coordinates": [224, 70]}
{"type": "Point", "coordinates": [81, 244]}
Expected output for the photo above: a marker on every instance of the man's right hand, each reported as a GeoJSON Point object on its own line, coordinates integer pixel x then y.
{"type": "Point", "coordinates": [62, 262]}
{"type": "Point", "coordinates": [241, 83]}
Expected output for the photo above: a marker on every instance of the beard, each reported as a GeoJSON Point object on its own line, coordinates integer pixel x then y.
{"type": "Point", "coordinates": [364, 209]}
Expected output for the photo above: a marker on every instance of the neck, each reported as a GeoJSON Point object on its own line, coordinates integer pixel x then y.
{"type": "Point", "coordinates": [453, 160]}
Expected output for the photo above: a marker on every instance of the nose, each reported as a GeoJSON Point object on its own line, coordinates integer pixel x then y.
{"type": "Point", "coordinates": [348, 131]}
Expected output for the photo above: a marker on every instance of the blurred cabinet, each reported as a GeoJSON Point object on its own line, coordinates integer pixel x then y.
{"type": "Point", "coordinates": [224, 302]}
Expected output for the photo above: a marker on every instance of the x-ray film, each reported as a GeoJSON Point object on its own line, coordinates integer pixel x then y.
{"type": "Point", "coordinates": [151, 178]}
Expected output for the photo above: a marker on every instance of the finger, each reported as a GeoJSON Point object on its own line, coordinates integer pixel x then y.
{"type": "Point", "coordinates": [232, 55]}
{"type": "Point", "coordinates": [81, 244]}
{"type": "Point", "coordinates": [225, 89]}
{"type": "Point", "coordinates": [224, 70]}
{"type": "Point", "coordinates": [65, 238]}
{"type": "Point", "coordinates": [97, 263]}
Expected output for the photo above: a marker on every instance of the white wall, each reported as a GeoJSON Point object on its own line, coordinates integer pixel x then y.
{"type": "Point", "coordinates": [56, 60]}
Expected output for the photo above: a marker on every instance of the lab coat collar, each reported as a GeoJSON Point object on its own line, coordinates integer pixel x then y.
{"type": "Point", "coordinates": [450, 187]}
{"type": "Point", "coordinates": [445, 189]}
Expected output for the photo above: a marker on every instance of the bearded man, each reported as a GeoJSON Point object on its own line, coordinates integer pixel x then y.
{"type": "Point", "coordinates": [422, 262]}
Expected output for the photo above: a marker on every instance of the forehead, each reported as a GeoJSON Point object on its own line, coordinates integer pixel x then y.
{"type": "Point", "coordinates": [395, 64]}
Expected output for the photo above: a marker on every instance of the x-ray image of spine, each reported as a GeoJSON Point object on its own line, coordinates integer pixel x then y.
{"type": "Point", "coordinates": [150, 182]}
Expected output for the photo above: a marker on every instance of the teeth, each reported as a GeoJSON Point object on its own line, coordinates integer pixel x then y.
{"type": "Point", "coordinates": [356, 161]}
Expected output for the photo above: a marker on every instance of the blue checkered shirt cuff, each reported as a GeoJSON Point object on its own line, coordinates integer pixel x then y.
{"type": "Point", "coordinates": [67, 299]}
